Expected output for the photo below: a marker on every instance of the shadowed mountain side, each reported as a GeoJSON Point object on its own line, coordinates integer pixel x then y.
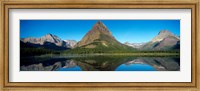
{"type": "Point", "coordinates": [46, 38]}
{"type": "Point", "coordinates": [48, 41]}
{"type": "Point", "coordinates": [165, 40]}
{"type": "Point", "coordinates": [47, 45]}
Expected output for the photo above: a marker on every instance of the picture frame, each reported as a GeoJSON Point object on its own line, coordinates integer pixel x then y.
{"type": "Point", "coordinates": [6, 85]}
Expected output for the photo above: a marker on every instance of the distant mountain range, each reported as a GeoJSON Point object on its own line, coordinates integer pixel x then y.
{"type": "Point", "coordinates": [48, 41]}
{"type": "Point", "coordinates": [70, 43]}
{"type": "Point", "coordinates": [165, 40]}
{"type": "Point", "coordinates": [100, 39]}
{"type": "Point", "coordinates": [135, 45]}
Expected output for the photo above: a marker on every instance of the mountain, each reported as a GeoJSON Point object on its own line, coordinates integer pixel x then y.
{"type": "Point", "coordinates": [134, 45]}
{"type": "Point", "coordinates": [98, 31]}
{"type": "Point", "coordinates": [165, 40]}
{"type": "Point", "coordinates": [70, 43]}
{"type": "Point", "coordinates": [163, 34]}
{"type": "Point", "coordinates": [47, 38]}
{"type": "Point", "coordinates": [100, 39]}
{"type": "Point", "coordinates": [48, 41]}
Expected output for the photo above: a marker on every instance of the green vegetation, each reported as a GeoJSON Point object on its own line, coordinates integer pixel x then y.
{"type": "Point", "coordinates": [100, 50]}
{"type": "Point", "coordinates": [107, 45]}
{"type": "Point", "coordinates": [99, 46]}
{"type": "Point", "coordinates": [36, 51]}
{"type": "Point", "coordinates": [96, 50]}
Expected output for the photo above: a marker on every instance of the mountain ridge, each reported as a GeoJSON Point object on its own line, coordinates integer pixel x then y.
{"type": "Point", "coordinates": [163, 34]}
{"type": "Point", "coordinates": [48, 41]}
{"type": "Point", "coordinates": [165, 40]}
{"type": "Point", "coordinates": [100, 39]}
{"type": "Point", "coordinates": [134, 45]}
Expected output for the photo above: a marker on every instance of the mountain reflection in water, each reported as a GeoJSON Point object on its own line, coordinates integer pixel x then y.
{"type": "Point", "coordinates": [99, 63]}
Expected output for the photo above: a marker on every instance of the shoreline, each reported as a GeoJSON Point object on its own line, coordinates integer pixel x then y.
{"type": "Point", "coordinates": [118, 54]}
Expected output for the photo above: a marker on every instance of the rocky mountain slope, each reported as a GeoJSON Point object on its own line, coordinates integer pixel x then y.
{"type": "Point", "coordinates": [47, 38]}
{"type": "Point", "coordinates": [134, 45]}
{"type": "Point", "coordinates": [48, 41]}
{"type": "Point", "coordinates": [165, 40]}
{"type": "Point", "coordinates": [70, 43]}
{"type": "Point", "coordinates": [98, 31]}
{"type": "Point", "coordinates": [100, 39]}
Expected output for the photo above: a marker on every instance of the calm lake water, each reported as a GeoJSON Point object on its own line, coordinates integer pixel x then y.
{"type": "Point", "coordinates": [98, 63]}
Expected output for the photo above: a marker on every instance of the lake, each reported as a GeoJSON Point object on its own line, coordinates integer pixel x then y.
{"type": "Point", "coordinates": [99, 63]}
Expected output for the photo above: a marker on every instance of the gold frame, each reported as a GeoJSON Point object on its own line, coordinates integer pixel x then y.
{"type": "Point", "coordinates": [193, 5]}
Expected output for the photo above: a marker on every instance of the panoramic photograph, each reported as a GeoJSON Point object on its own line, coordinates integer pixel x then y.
{"type": "Point", "coordinates": [99, 45]}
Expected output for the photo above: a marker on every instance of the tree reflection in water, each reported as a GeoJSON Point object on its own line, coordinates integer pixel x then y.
{"type": "Point", "coordinates": [100, 63]}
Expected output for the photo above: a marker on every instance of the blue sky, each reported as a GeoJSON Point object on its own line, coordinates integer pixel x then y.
{"type": "Point", "coordinates": [134, 31]}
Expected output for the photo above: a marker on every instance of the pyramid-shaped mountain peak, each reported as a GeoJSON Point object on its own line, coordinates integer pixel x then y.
{"type": "Point", "coordinates": [100, 27]}
{"type": "Point", "coordinates": [163, 34]}
{"type": "Point", "coordinates": [98, 32]}
{"type": "Point", "coordinates": [99, 23]}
